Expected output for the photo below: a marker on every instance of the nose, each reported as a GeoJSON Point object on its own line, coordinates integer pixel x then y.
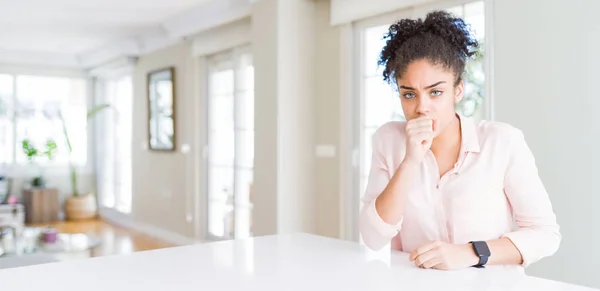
{"type": "Point", "coordinates": [422, 105]}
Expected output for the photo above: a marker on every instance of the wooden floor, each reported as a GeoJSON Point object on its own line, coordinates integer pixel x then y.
{"type": "Point", "coordinates": [115, 240]}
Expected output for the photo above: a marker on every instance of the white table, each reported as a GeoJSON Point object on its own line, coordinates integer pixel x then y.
{"type": "Point", "coordinates": [26, 260]}
{"type": "Point", "coordinates": [284, 262]}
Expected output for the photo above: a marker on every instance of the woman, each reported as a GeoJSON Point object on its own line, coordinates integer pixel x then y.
{"type": "Point", "coordinates": [442, 187]}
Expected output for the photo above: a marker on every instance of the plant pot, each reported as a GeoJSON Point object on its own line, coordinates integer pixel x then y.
{"type": "Point", "coordinates": [81, 207]}
{"type": "Point", "coordinates": [38, 182]}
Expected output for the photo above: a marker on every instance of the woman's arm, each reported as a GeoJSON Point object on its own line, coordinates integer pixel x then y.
{"type": "Point", "coordinates": [385, 197]}
{"type": "Point", "coordinates": [538, 235]}
{"type": "Point", "coordinates": [447, 256]}
{"type": "Point", "coordinates": [390, 204]}
{"type": "Point", "coordinates": [383, 208]}
{"type": "Point", "coordinates": [504, 252]}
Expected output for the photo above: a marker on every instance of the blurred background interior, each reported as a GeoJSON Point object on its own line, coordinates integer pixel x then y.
{"type": "Point", "coordinates": [133, 125]}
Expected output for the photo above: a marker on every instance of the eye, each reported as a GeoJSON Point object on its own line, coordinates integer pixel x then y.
{"type": "Point", "coordinates": [409, 95]}
{"type": "Point", "coordinates": [436, 93]}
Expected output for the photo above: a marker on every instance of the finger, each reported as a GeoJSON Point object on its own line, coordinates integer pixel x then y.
{"type": "Point", "coordinates": [428, 125]}
{"type": "Point", "coordinates": [420, 133]}
{"type": "Point", "coordinates": [431, 263]}
{"type": "Point", "coordinates": [420, 250]}
{"type": "Point", "coordinates": [425, 121]}
{"type": "Point", "coordinates": [423, 117]}
{"type": "Point", "coordinates": [426, 257]}
{"type": "Point", "coordinates": [440, 266]}
{"type": "Point", "coordinates": [419, 126]}
{"type": "Point", "coordinates": [422, 138]}
{"type": "Point", "coordinates": [418, 130]}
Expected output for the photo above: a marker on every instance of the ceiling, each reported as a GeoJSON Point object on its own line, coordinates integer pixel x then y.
{"type": "Point", "coordinates": [74, 29]}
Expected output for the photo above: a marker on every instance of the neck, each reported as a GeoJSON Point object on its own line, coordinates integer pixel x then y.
{"type": "Point", "coordinates": [449, 139]}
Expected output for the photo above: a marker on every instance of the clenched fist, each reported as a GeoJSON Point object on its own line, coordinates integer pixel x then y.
{"type": "Point", "coordinates": [420, 134]}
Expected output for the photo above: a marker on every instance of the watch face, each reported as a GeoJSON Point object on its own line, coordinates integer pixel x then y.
{"type": "Point", "coordinates": [482, 248]}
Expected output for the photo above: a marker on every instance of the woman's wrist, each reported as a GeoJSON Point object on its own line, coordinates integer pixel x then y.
{"type": "Point", "coordinates": [470, 256]}
{"type": "Point", "coordinates": [408, 164]}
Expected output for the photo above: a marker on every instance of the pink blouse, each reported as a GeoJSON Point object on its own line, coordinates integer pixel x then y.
{"type": "Point", "coordinates": [494, 179]}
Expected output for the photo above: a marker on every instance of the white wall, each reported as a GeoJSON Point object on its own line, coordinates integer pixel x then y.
{"type": "Point", "coordinates": [345, 11]}
{"type": "Point", "coordinates": [266, 141]}
{"type": "Point", "coordinates": [327, 105]}
{"type": "Point", "coordinates": [546, 72]}
{"type": "Point", "coordinates": [163, 181]}
{"type": "Point", "coordinates": [222, 38]}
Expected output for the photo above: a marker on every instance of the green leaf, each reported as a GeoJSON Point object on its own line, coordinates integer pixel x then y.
{"type": "Point", "coordinates": [29, 150]}
{"type": "Point", "coordinates": [50, 149]}
{"type": "Point", "coordinates": [92, 112]}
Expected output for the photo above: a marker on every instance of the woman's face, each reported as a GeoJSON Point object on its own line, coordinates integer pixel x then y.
{"type": "Point", "coordinates": [428, 90]}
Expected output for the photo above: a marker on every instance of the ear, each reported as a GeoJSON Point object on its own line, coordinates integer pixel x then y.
{"type": "Point", "coordinates": [459, 91]}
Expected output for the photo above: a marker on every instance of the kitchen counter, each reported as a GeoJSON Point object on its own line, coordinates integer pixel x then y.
{"type": "Point", "coordinates": [282, 262]}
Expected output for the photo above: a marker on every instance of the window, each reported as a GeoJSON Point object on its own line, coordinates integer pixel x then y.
{"type": "Point", "coordinates": [230, 144]}
{"type": "Point", "coordinates": [115, 144]}
{"type": "Point", "coordinates": [31, 108]}
{"type": "Point", "coordinates": [379, 102]}
{"type": "Point", "coordinates": [6, 119]}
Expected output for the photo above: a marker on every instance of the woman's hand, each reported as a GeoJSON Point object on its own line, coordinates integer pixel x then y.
{"type": "Point", "coordinates": [444, 256]}
{"type": "Point", "coordinates": [419, 137]}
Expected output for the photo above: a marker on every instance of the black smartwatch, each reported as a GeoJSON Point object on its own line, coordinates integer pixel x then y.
{"type": "Point", "coordinates": [482, 251]}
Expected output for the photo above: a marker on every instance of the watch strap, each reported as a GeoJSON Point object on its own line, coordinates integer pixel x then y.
{"type": "Point", "coordinates": [482, 251]}
{"type": "Point", "coordinates": [482, 261]}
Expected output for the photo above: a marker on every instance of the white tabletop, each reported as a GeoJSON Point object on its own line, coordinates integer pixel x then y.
{"type": "Point", "coordinates": [283, 262]}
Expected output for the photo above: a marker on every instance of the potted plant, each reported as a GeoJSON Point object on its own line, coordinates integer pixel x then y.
{"type": "Point", "coordinates": [79, 205]}
{"type": "Point", "coordinates": [32, 152]}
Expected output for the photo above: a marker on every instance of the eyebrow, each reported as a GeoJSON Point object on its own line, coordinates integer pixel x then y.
{"type": "Point", "coordinates": [430, 86]}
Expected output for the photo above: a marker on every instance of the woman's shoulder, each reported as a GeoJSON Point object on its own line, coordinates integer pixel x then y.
{"type": "Point", "coordinates": [389, 141]}
{"type": "Point", "coordinates": [497, 131]}
{"type": "Point", "coordinates": [390, 130]}
{"type": "Point", "coordinates": [390, 137]}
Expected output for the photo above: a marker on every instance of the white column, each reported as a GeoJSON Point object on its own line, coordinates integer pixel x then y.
{"type": "Point", "coordinates": [284, 178]}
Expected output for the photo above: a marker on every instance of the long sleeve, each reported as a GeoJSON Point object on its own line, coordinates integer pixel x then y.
{"type": "Point", "coordinates": [375, 232]}
{"type": "Point", "coordinates": [538, 233]}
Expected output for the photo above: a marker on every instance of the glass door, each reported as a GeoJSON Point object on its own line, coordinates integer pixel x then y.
{"type": "Point", "coordinates": [230, 145]}
{"type": "Point", "coordinates": [114, 144]}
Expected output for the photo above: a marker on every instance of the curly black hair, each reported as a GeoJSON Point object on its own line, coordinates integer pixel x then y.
{"type": "Point", "coordinates": [440, 38]}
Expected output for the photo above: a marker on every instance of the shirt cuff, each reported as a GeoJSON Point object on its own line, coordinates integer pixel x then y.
{"type": "Point", "coordinates": [521, 241]}
{"type": "Point", "coordinates": [383, 228]}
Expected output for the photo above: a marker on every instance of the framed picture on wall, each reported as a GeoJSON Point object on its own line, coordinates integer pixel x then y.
{"type": "Point", "coordinates": [161, 109]}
